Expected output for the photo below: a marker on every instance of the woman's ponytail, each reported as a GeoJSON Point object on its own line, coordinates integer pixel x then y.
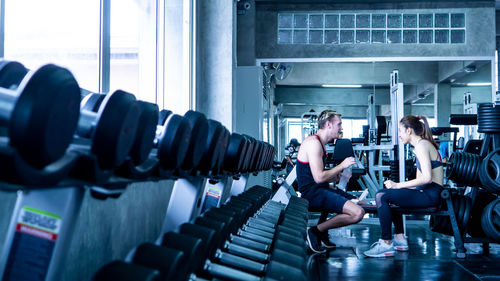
{"type": "Point", "coordinates": [427, 134]}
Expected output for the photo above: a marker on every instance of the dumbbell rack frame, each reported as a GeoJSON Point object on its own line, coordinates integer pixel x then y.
{"type": "Point", "coordinates": [40, 232]}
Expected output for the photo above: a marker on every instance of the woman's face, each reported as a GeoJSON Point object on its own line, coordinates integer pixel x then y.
{"type": "Point", "coordinates": [404, 134]}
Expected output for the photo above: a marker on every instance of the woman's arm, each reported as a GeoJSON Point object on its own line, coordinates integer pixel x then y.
{"type": "Point", "coordinates": [422, 153]}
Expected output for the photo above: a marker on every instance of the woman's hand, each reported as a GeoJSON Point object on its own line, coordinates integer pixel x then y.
{"type": "Point", "coordinates": [390, 184]}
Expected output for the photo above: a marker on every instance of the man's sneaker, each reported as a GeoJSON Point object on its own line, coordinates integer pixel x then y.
{"type": "Point", "coordinates": [314, 242]}
{"type": "Point", "coordinates": [325, 240]}
{"type": "Point", "coordinates": [400, 244]}
{"type": "Point", "coordinates": [380, 249]}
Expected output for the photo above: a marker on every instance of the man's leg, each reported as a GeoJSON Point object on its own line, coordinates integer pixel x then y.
{"type": "Point", "coordinates": [351, 214]}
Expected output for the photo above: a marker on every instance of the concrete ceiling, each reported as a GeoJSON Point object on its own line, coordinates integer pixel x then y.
{"type": "Point", "coordinates": [419, 77]}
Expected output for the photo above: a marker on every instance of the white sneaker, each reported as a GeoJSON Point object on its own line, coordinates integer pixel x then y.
{"type": "Point", "coordinates": [400, 244]}
{"type": "Point", "coordinates": [380, 249]}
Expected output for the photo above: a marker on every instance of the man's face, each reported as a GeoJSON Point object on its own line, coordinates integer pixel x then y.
{"type": "Point", "coordinates": [335, 127]}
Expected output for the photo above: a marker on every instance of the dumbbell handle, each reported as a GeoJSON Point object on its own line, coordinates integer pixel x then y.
{"type": "Point", "coordinates": [87, 123]}
{"type": "Point", "coordinates": [221, 271]}
{"type": "Point", "coordinates": [254, 237]}
{"type": "Point", "coordinates": [7, 104]}
{"type": "Point", "coordinates": [240, 262]}
{"type": "Point", "coordinates": [243, 251]}
{"type": "Point", "coordinates": [249, 243]}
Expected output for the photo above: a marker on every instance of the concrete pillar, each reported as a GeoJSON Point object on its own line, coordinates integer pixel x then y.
{"type": "Point", "coordinates": [216, 63]}
{"type": "Point", "coordinates": [442, 104]}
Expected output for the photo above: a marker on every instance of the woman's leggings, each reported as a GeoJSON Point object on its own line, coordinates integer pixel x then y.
{"type": "Point", "coordinates": [428, 195]}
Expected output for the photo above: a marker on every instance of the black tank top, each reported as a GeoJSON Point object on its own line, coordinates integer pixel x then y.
{"type": "Point", "coordinates": [304, 176]}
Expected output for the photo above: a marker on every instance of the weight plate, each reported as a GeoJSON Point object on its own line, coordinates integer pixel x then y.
{"type": "Point", "coordinates": [199, 132]}
{"type": "Point", "coordinates": [174, 142]}
{"type": "Point", "coordinates": [45, 116]}
{"type": "Point", "coordinates": [11, 74]}
{"type": "Point", "coordinates": [489, 173]}
{"type": "Point", "coordinates": [146, 132]}
{"type": "Point", "coordinates": [117, 122]}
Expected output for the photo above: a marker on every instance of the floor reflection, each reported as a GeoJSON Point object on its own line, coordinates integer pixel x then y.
{"type": "Point", "coordinates": [431, 256]}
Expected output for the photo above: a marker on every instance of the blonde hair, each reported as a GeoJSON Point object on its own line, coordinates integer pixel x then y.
{"type": "Point", "coordinates": [326, 115]}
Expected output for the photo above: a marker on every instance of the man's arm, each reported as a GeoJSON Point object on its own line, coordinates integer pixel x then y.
{"type": "Point", "coordinates": [315, 156]}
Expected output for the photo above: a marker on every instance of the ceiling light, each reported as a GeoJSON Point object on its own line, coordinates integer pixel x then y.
{"type": "Point", "coordinates": [479, 84]}
{"type": "Point", "coordinates": [341, 86]}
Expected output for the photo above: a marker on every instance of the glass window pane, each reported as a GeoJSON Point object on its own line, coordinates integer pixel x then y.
{"type": "Point", "coordinates": [394, 21]}
{"type": "Point", "coordinates": [457, 20]}
{"type": "Point", "coordinates": [363, 21]}
{"type": "Point", "coordinates": [409, 36]}
{"type": "Point", "coordinates": [37, 33]}
{"type": "Point", "coordinates": [347, 36]}
{"type": "Point", "coordinates": [285, 20]}
{"type": "Point", "coordinates": [331, 36]}
{"type": "Point", "coordinates": [285, 37]}
{"type": "Point", "coordinates": [409, 21]}
{"type": "Point", "coordinates": [299, 21]}
{"type": "Point", "coordinates": [362, 36]}
{"type": "Point", "coordinates": [133, 48]}
{"type": "Point", "coordinates": [457, 36]}
{"type": "Point", "coordinates": [393, 36]}
{"type": "Point", "coordinates": [441, 36]}
{"type": "Point", "coordinates": [378, 21]}
{"type": "Point", "coordinates": [425, 36]}
{"type": "Point", "coordinates": [332, 21]}
{"type": "Point", "coordinates": [346, 21]}
{"type": "Point", "coordinates": [300, 37]}
{"type": "Point", "coordinates": [441, 20]}
{"type": "Point", "coordinates": [315, 21]}
{"type": "Point", "coordinates": [425, 21]}
{"type": "Point", "coordinates": [316, 36]}
{"type": "Point", "coordinates": [378, 36]}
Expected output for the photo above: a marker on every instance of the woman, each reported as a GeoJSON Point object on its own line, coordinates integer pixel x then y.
{"type": "Point", "coordinates": [421, 192]}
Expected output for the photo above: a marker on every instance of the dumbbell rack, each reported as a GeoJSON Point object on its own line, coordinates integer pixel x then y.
{"type": "Point", "coordinates": [457, 166]}
{"type": "Point", "coordinates": [248, 238]}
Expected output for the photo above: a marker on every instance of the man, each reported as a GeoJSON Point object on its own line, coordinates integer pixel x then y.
{"type": "Point", "coordinates": [314, 181]}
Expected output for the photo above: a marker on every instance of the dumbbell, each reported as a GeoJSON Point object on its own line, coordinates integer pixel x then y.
{"type": "Point", "coordinates": [234, 156]}
{"type": "Point", "coordinates": [121, 271]}
{"type": "Point", "coordinates": [139, 164]}
{"type": "Point", "coordinates": [110, 122]}
{"type": "Point", "coordinates": [289, 225]}
{"type": "Point", "coordinates": [40, 110]}
{"type": "Point", "coordinates": [171, 263]}
{"type": "Point", "coordinates": [208, 236]}
{"type": "Point", "coordinates": [251, 233]}
{"type": "Point", "coordinates": [215, 148]}
{"type": "Point", "coordinates": [173, 134]}
{"type": "Point", "coordinates": [199, 133]}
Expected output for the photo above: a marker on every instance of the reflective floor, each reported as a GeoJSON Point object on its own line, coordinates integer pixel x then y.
{"type": "Point", "coordinates": [431, 256]}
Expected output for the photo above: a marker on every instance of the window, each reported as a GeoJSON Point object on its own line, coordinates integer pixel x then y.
{"type": "Point", "coordinates": [133, 48]}
{"type": "Point", "coordinates": [68, 33]}
{"type": "Point", "coordinates": [353, 128]}
{"type": "Point", "coordinates": [43, 34]}
{"type": "Point", "coordinates": [391, 28]}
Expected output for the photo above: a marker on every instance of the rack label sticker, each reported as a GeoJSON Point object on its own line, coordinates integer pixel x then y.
{"type": "Point", "coordinates": [33, 245]}
{"type": "Point", "coordinates": [212, 198]}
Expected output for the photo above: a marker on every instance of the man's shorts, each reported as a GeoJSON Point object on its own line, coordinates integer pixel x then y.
{"type": "Point", "coordinates": [325, 198]}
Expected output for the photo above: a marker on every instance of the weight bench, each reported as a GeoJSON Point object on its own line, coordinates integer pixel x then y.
{"type": "Point", "coordinates": [435, 211]}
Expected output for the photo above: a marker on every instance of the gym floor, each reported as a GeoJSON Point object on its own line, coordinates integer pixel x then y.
{"type": "Point", "coordinates": [431, 257]}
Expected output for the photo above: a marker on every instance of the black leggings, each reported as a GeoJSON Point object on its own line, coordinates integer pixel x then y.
{"type": "Point", "coordinates": [428, 195]}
